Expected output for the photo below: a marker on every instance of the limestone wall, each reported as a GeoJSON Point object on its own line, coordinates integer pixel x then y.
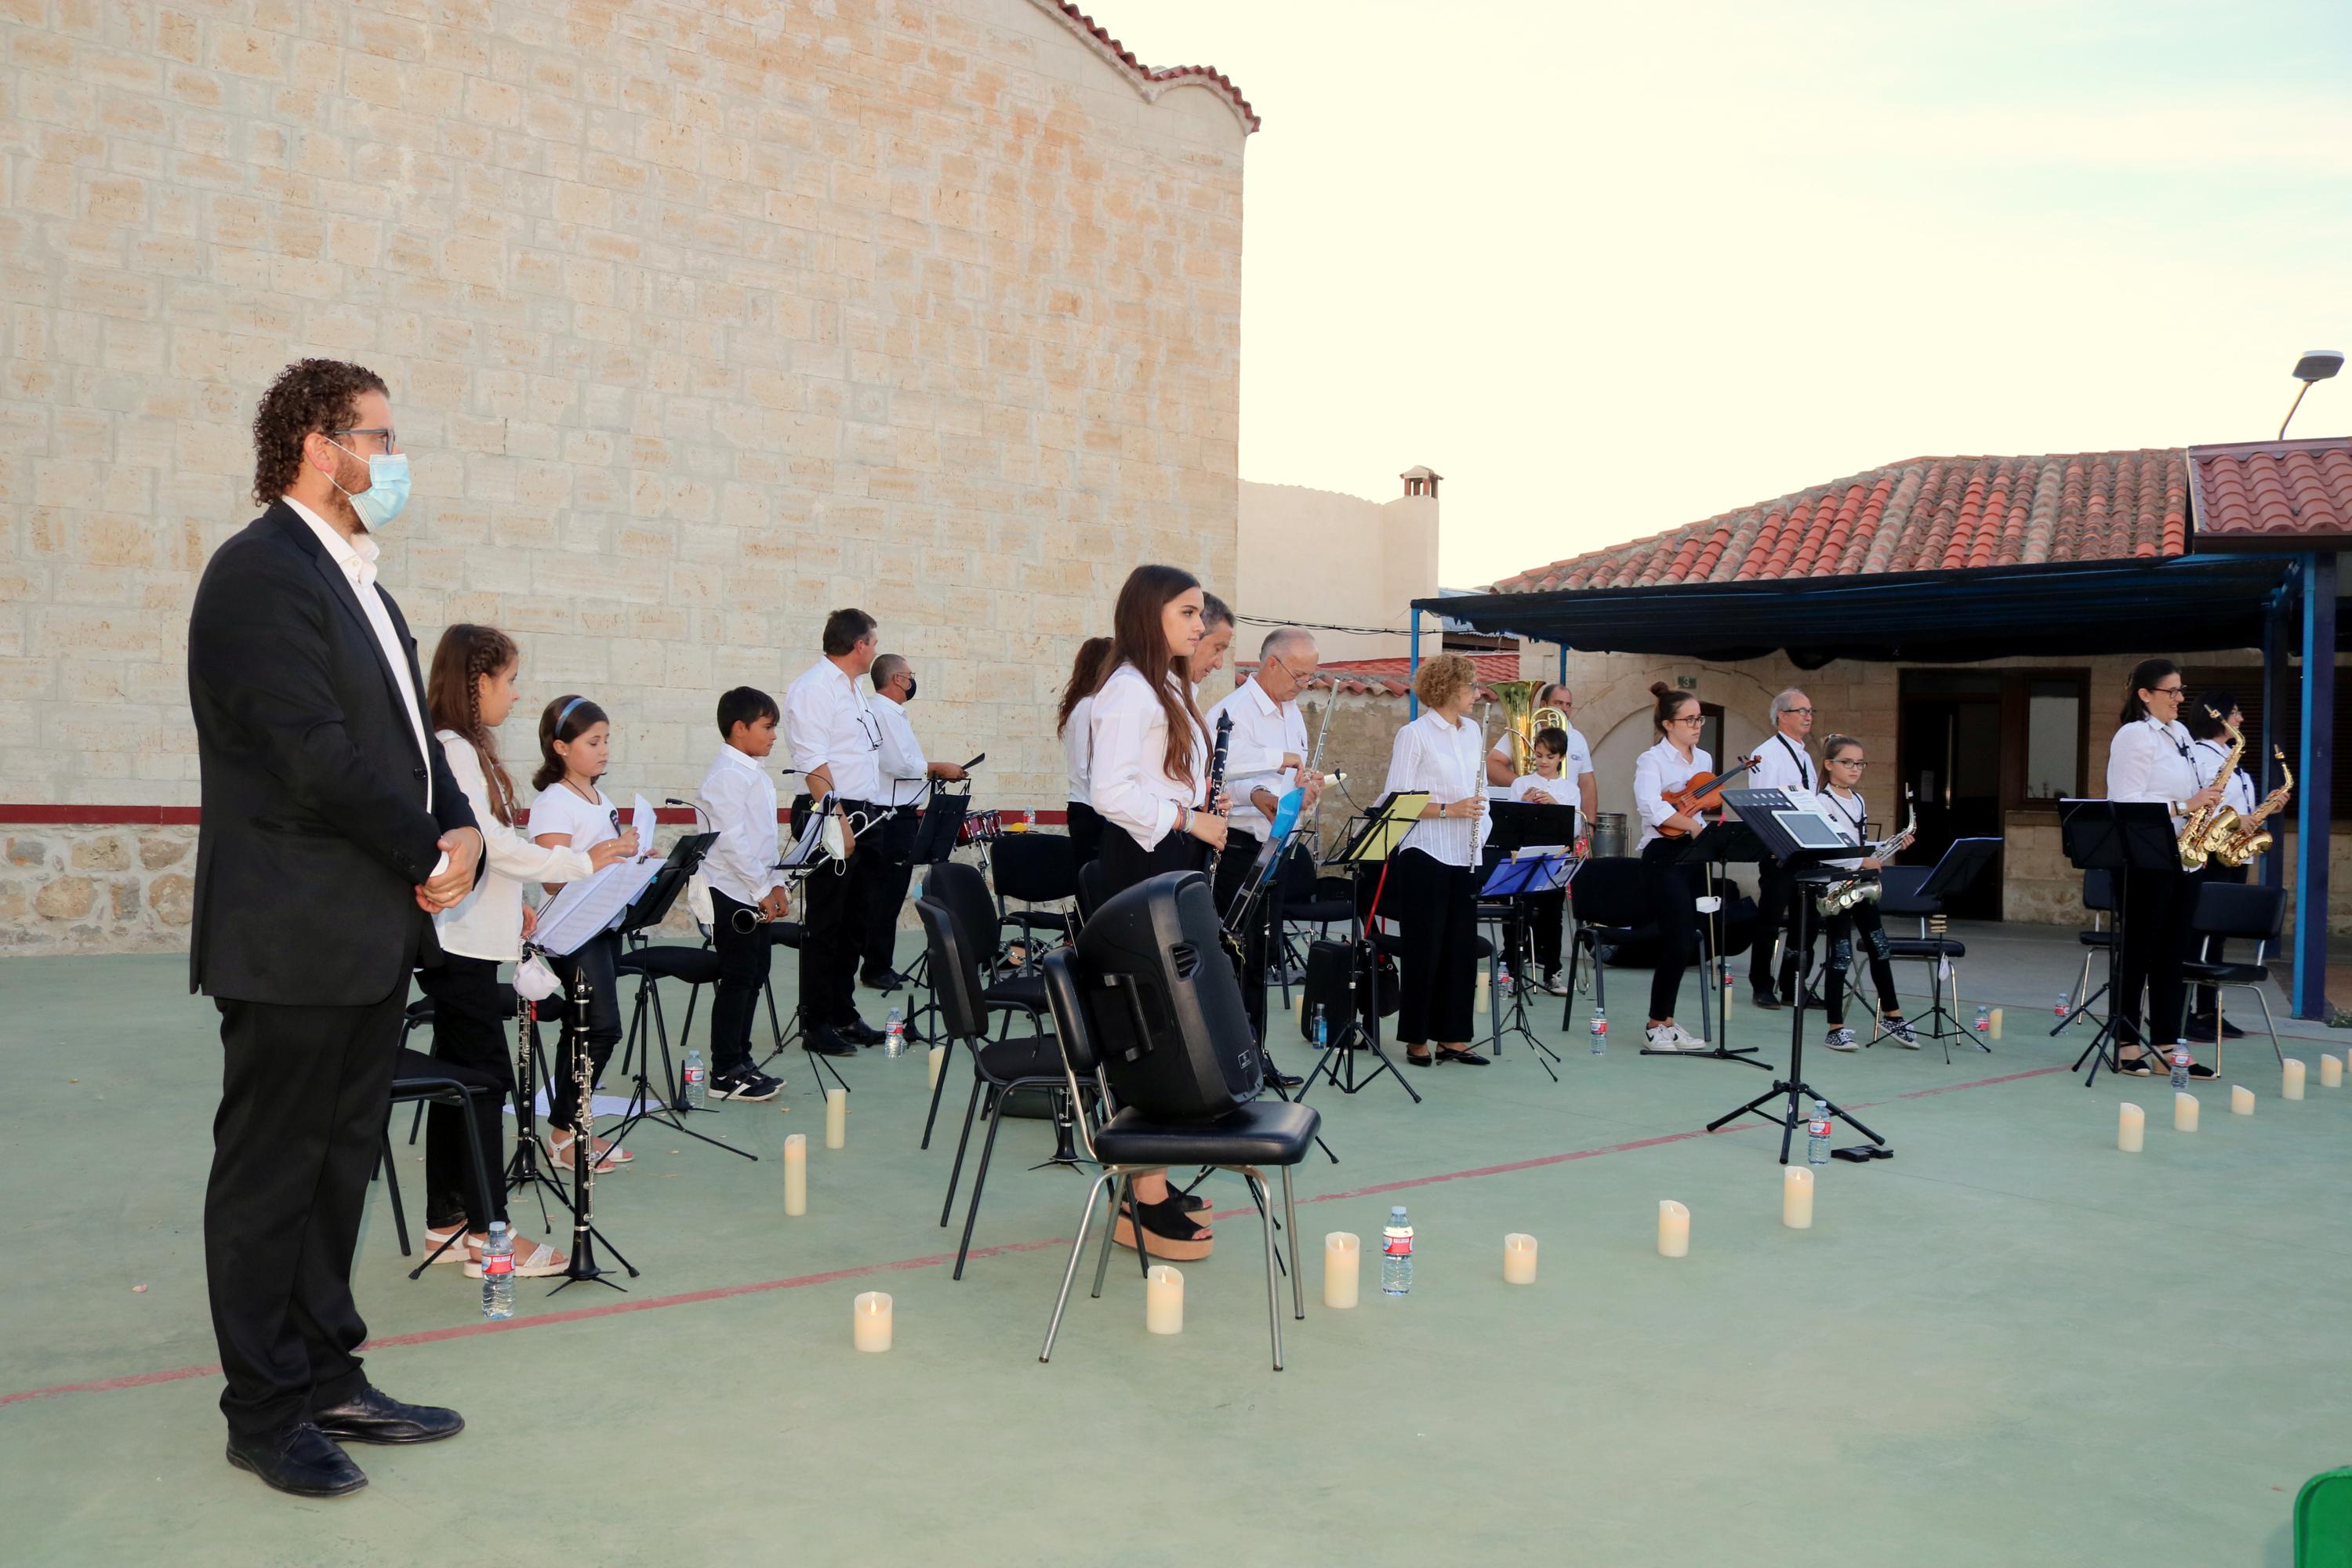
{"type": "Point", "coordinates": [72, 888]}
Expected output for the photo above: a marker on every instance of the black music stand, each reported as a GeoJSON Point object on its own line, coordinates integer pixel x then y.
{"type": "Point", "coordinates": [1511, 882]}
{"type": "Point", "coordinates": [1723, 843]}
{"type": "Point", "coordinates": [1780, 834]}
{"type": "Point", "coordinates": [2115, 837]}
{"type": "Point", "coordinates": [1964, 859]}
{"type": "Point", "coordinates": [1381, 829]}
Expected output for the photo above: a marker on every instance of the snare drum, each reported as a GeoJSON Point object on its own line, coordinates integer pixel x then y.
{"type": "Point", "coordinates": [980, 826]}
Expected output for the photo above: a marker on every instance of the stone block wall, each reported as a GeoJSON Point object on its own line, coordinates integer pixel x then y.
{"type": "Point", "coordinates": [82, 888]}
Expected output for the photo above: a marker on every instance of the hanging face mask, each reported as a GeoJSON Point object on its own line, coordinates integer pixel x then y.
{"type": "Point", "coordinates": [387, 489]}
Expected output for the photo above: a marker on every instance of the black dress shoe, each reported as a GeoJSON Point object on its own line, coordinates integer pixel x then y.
{"type": "Point", "coordinates": [892, 980]}
{"type": "Point", "coordinates": [1768, 1000]}
{"type": "Point", "coordinates": [858, 1031]}
{"type": "Point", "coordinates": [827, 1042]}
{"type": "Point", "coordinates": [1281, 1079]}
{"type": "Point", "coordinates": [373, 1415]}
{"type": "Point", "coordinates": [299, 1459]}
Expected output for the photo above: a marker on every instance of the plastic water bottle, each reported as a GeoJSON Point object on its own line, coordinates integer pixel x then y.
{"type": "Point", "coordinates": [894, 1034]}
{"type": "Point", "coordinates": [1600, 1030]}
{"type": "Point", "coordinates": [1502, 978]}
{"type": "Point", "coordinates": [2179, 1068]}
{"type": "Point", "coordinates": [2064, 997]}
{"type": "Point", "coordinates": [1396, 1253]}
{"type": "Point", "coordinates": [498, 1272]}
{"type": "Point", "coordinates": [1984, 1020]}
{"type": "Point", "coordinates": [1817, 1136]}
{"type": "Point", "coordinates": [697, 1093]}
{"type": "Point", "coordinates": [1322, 1029]}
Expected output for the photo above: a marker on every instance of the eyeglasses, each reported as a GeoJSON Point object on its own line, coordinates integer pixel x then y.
{"type": "Point", "coordinates": [1848, 762]}
{"type": "Point", "coordinates": [1689, 719]}
{"type": "Point", "coordinates": [386, 434]}
{"type": "Point", "coordinates": [2167, 691]}
{"type": "Point", "coordinates": [1806, 711]}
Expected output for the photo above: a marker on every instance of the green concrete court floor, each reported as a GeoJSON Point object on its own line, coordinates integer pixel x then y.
{"type": "Point", "coordinates": [2008, 1345]}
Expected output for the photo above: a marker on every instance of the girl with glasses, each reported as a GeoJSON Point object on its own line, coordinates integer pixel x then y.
{"type": "Point", "coordinates": [1844, 762]}
{"type": "Point", "coordinates": [1666, 769]}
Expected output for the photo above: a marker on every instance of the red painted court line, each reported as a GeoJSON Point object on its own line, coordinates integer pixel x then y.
{"type": "Point", "coordinates": [933, 1261]}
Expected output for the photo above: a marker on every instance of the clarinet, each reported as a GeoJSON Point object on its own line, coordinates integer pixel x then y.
{"type": "Point", "coordinates": [1217, 779]}
{"type": "Point", "coordinates": [584, 1163]}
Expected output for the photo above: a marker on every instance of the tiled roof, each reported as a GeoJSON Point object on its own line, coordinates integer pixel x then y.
{"type": "Point", "coordinates": [1151, 76]}
{"type": "Point", "coordinates": [1927, 514]}
{"type": "Point", "coordinates": [2258, 494]}
{"type": "Point", "coordinates": [1394, 677]}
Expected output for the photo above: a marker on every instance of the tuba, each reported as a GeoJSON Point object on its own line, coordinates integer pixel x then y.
{"type": "Point", "coordinates": [1522, 719]}
{"type": "Point", "coordinates": [2209, 828]}
{"type": "Point", "coordinates": [2251, 840]}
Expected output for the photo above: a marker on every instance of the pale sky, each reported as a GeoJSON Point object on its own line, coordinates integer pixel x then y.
{"type": "Point", "coordinates": [1613, 270]}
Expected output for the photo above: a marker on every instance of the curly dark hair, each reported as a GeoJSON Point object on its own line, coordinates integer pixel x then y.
{"type": "Point", "coordinates": [308, 395]}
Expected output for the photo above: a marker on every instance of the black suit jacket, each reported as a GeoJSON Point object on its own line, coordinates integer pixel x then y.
{"type": "Point", "coordinates": [315, 832]}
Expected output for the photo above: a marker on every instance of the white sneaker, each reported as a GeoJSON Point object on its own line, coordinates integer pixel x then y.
{"type": "Point", "coordinates": [1839, 1039]}
{"type": "Point", "coordinates": [1672, 1037]}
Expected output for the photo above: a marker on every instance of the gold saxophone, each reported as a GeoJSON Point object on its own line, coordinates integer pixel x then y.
{"type": "Point", "coordinates": [1863, 887]}
{"type": "Point", "coordinates": [2250, 841]}
{"type": "Point", "coordinates": [1521, 720]}
{"type": "Point", "coordinates": [2207, 828]}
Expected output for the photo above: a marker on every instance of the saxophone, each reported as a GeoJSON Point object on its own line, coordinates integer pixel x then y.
{"type": "Point", "coordinates": [2251, 841]}
{"type": "Point", "coordinates": [1863, 887]}
{"type": "Point", "coordinates": [2206, 829]}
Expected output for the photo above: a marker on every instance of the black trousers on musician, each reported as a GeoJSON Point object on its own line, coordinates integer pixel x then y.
{"type": "Point", "coordinates": [2158, 908]}
{"type": "Point", "coordinates": [1544, 914]}
{"type": "Point", "coordinates": [742, 975]}
{"type": "Point", "coordinates": [1844, 927]}
{"type": "Point", "coordinates": [1674, 905]}
{"type": "Point", "coordinates": [838, 914]}
{"type": "Point", "coordinates": [1435, 907]}
{"type": "Point", "coordinates": [894, 873]}
{"type": "Point", "coordinates": [596, 960]}
{"type": "Point", "coordinates": [1086, 824]}
{"type": "Point", "coordinates": [1775, 891]}
{"type": "Point", "coordinates": [1234, 867]}
{"type": "Point", "coordinates": [472, 1030]}
{"type": "Point", "coordinates": [1125, 862]}
{"type": "Point", "coordinates": [2201, 1000]}
{"type": "Point", "coordinates": [304, 1094]}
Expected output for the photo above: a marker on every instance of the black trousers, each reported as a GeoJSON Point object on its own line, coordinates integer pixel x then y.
{"type": "Point", "coordinates": [304, 1094]}
{"type": "Point", "coordinates": [1543, 914]}
{"type": "Point", "coordinates": [1125, 862]}
{"type": "Point", "coordinates": [1234, 866]}
{"type": "Point", "coordinates": [471, 1036]}
{"type": "Point", "coordinates": [894, 873]}
{"type": "Point", "coordinates": [1775, 891]}
{"type": "Point", "coordinates": [743, 973]}
{"type": "Point", "coordinates": [596, 959]}
{"type": "Point", "coordinates": [1435, 907]}
{"type": "Point", "coordinates": [837, 912]}
{"type": "Point", "coordinates": [2157, 907]}
{"type": "Point", "coordinates": [1086, 824]}
{"type": "Point", "coordinates": [1674, 905]}
{"type": "Point", "coordinates": [1844, 927]}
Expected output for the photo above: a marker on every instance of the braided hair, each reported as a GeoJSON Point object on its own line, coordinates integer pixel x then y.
{"type": "Point", "coordinates": [453, 692]}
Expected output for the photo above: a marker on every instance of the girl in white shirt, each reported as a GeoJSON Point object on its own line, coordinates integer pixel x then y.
{"type": "Point", "coordinates": [470, 692]}
{"type": "Point", "coordinates": [1147, 758]}
{"type": "Point", "coordinates": [1550, 784]}
{"type": "Point", "coordinates": [571, 811]}
{"type": "Point", "coordinates": [1431, 890]}
{"type": "Point", "coordinates": [1663, 770]}
{"type": "Point", "coordinates": [2151, 757]}
{"type": "Point", "coordinates": [1843, 763]}
{"type": "Point", "coordinates": [1074, 723]}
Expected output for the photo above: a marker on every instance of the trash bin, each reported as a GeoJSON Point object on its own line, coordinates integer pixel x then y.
{"type": "Point", "coordinates": [1608, 833]}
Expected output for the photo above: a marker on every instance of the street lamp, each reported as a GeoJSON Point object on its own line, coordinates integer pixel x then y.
{"type": "Point", "coordinates": [2317, 365]}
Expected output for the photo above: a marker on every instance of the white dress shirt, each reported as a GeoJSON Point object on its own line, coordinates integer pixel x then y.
{"type": "Point", "coordinates": [903, 767]}
{"type": "Point", "coordinates": [583, 824]}
{"type": "Point", "coordinates": [1078, 748]}
{"type": "Point", "coordinates": [1573, 766]}
{"type": "Point", "coordinates": [1447, 758]}
{"type": "Point", "coordinates": [1129, 746]}
{"type": "Point", "coordinates": [1785, 764]}
{"type": "Point", "coordinates": [1660, 772]}
{"type": "Point", "coordinates": [741, 800]}
{"type": "Point", "coordinates": [488, 923]}
{"type": "Point", "coordinates": [2148, 761]}
{"type": "Point", "coordinates": [1537, 790]}
{"type": "Point", "coordinates": [829, 723]}
{"type": "Point", "coordinates": [357, 559]}
{"type": "Point", "coordinates": [2207, 757]}
{"type": "Point", "coordinates": [1264, 729]}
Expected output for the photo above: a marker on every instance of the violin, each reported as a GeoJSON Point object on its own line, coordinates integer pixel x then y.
{"type": "Point", "coordinates": [1704, 792]}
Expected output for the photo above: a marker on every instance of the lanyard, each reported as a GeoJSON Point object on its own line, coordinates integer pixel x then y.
{"type": "Point", "coordinates": [1804, 773]}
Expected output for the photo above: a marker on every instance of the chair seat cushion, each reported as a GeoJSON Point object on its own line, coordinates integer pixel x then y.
{"type": "Point", "coordinates": [421, 1010]}
{"type": "Point", "coordinates": [1039, 920]}
{"type": "Point", "coordinates": [1926, 947]}
{"type": "Point", "coordinates": [1262, 1133]}
{"type": "Point", "coordinates": [2096, 938]}
{"type": "Point", "coordinates": [1021, 992]}
{"type": "Point", "coordinates": [695, 965]}
{"type": "Point", "coordinates": [1394, 946]}
{"type": "Point", "coordinates": [1023, 1056]}
{"type": "Point", "coordinates": [786, 933]}
{"type": "Point", "coordinates": [2226, 973]}
{"type": "Point", "coordinates": [1319, 911]}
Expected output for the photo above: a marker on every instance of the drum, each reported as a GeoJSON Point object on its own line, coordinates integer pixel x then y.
{"type": "Point", "coordinates": [981, 826]}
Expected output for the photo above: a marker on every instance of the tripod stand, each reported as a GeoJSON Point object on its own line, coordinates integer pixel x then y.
{"type": "Point", "coordinates": [2115, 837]}
{"type": "Point", "coordinates": [1721, 844]}
{"type": "Point", "coordinates": [1515, 881]}
{"type": "Point", "coordinates": [582, 1264]}
{"type": "Point", "coordinates": [1384, 828]}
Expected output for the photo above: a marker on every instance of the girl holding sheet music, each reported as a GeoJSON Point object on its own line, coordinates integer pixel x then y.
{"type": "Point", "coordinates": [470, 691]}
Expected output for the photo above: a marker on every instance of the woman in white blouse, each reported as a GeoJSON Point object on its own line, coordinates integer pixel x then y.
{"type": "Point", "coordinates": [1432, 878]}
{"type": "Point", "coordinates": [2152, 758]}
{"type": "Point", "coordinates": [1074, 723]}
{"type": "Point", "coordinates": [1148, 754]}
{"type": "Point", "coordinates": [470, 692]}
{"type": "Point", "coordinates": [1663, 770]}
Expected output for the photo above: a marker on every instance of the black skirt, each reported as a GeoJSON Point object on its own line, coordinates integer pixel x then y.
{"type": "Point", "coordinates": [1125, 862]}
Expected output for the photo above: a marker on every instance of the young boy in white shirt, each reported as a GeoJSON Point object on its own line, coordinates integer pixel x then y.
{"type": "Point", "coordinates": [1550, 784]}
{"type": "Point", "coordinates": [741, 870]}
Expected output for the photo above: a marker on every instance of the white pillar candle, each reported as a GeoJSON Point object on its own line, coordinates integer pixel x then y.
{"type": "Point", "coordinates": [796, 1175]}
{"type": "Point", "coordinates": [1996, 1023]}
{"type": "Point", "coordinates": [939, 1064]}
{"type": "Point", "coordinates": [869, 1320]}
{"type": "Point", "coordinates": [837, 1118]}
{"type": "Point", "coordinates": [1519, 1258]}
{"type": "Point", "coordinates": [2241, 1100]}
{"type": "Point", "coordinates": [1478, 1004]}
{"type": "Point", "coordinates": [2184, 1112]}
{"type": "Point", "coordinates": [1343, 1254]}
{"type": "Point", "coordinates": [1796, 1197]}
{"type": "Point", "coordinates": [2131, 1127]}
{"type": "Point", "coordinates": [1163, 1301]}
{"type": "Point", "coordinates": [1674, 1229]}
{"type": "Point", "coordinates": [2292, 1086]}
{"type": "Point", "coordinates": [2331, 1072]}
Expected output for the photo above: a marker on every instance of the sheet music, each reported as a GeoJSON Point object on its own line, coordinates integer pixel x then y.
{"type": "Point", "coordinates": [804, 848]}
{"type": "Point", "coordinates": [641, 818]}
{"type": "Point", "coordinates": [586, 907]}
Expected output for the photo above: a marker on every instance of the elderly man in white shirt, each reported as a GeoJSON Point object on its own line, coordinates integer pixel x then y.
{"type": "Point", "coordinates": [835, 740]}
{"type": "Point", "coordinates": [1264, 756]}
{"type": "Point", "coordinates": [905, 775]}
{"type": "Point", "coordinates": [1783, 763]}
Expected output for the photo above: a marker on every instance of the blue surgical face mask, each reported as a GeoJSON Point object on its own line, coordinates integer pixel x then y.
{"type": "Point", "coordinates": [387, 489]}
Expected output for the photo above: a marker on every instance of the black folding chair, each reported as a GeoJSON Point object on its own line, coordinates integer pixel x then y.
{"type": "Point", "coordinates": [418, 1079]}
{"type": "Point", "coordinates": [1035, 868]}
{"type": "Point", "coordinates": [2227, 910]}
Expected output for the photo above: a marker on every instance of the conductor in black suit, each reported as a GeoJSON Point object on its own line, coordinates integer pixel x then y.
{"type": "Point", "coordinates": [331, 831]}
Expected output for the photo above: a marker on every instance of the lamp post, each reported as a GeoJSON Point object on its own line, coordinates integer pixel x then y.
{"type": "Point", "coordinates": [2317, 365]}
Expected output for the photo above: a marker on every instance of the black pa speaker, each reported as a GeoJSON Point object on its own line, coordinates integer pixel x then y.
{"type": "Point", "coordinates": [1173, 1037]}
{"type": "Point", "coordinates": [1328, 964]}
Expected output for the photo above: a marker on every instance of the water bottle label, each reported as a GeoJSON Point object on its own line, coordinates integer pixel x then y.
{"type": "Point", "coordinates": [1600, 1026]}
{"type": "Point", "coordinates": [1398, 1245]}
{"type": "Point", "coordinates": [497, 1268]}
{"type": "Point", "coordinates": [1819, 1129]}
{"type": "Point", "coordinates": [694, 1075]}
